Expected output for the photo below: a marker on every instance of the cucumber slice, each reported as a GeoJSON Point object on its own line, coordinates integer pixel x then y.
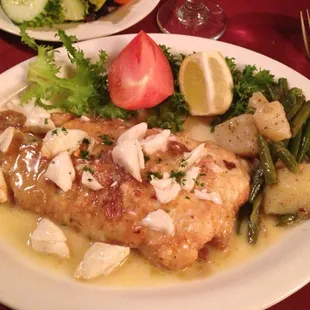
{"type": "Point", "coordinates": [35, 13]}
{"type": "Point", "coordinates": [74, 10]}
{"type": "Point", "coordinates": [23, 10]}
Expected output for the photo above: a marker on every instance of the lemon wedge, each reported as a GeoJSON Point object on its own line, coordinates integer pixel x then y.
{"type": "Point", "coordinates": [206, 83]}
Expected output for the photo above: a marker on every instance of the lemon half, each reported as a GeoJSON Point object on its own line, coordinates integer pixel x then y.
{"type": "Point", "coordinates": [206, 83]}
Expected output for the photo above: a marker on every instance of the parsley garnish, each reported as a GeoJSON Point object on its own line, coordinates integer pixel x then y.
{"type": "Point", "coordinates": [64, 130]}
{"type": "Point", "coordinates": [173, 111]}
{"type": "Point", "coordinates": [177, 175]}
{"type": "Point", "coordinates": [32, 139]}
{"type": "Point", "coordinates": [54, 132]}
{"type": "Point", "coordinates": [85, 141]}
{"type": "Point", "coordinates": [84, 154]}
{"type": "Point", "coordinates": [198, 183]}
{"type": "Point", "coordinates": [89, 170]}
{"type": "Point", "coordinates": [106, 139]}
{"type": "Point", "coordinates": [46, 121]}
{"type": "Point", "coordinates": [156, 175]}
{"type": "Point", "coordinates": [187, 197]}
{"type": "Point", "coordinates": [183, 163]}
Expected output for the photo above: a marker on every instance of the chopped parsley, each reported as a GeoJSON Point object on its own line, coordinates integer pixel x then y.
{"type": "Point", "coordinates": [187, 197]}
{"type": "Point", "coordinates": [198, 183]}
{"type": "Point", "coordinates": [55, 132]}
{"type": "Point", "coordinates": [177, 175]}
{"type": "Point", "coordinates": [85, 141]}
{"type": "Point", "coordinates": [106, 139]}
{"type": "Point", "coordinates": [89, 180]}
{"type": "Point", "coordinates": [146, 158]}
{"type": "Point", "coordinates": [183, 163]}
{"type": "Point", "coordinates": [32, 140]}
{"type": "Point", "coordinates": [84, 154]}
{"type": "Point", "coordinates": [63, 129]}
{"type": "Point", "coordinates": [157, 175]}
{"type": "Point", "coordinates": [46, 121]}
{"type": "Point", "coordinates": [202, 174]}
{"type": "Point", "coordinates": [89, 170]}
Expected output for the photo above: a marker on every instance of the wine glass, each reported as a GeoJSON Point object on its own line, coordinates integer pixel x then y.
{"type": "Point", "coordinates": [204, 18]}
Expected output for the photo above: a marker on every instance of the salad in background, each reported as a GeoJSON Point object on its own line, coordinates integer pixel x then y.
{"type": "Point", "coordinates": [46, 13]}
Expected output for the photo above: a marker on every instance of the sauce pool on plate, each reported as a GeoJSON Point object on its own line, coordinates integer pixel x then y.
{"type": "Point", "coordinates": [16, 226]}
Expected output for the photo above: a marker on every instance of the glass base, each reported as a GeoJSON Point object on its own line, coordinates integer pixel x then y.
{"type": "Point", "coordinates": [208, 21]}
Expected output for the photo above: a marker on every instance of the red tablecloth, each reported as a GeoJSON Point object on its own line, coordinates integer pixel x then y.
{"type": "Point", "coordinates": [268, 27]}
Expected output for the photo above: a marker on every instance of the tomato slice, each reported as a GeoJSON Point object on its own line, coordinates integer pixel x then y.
{"type": "Point", "coordinates": [140, 77]}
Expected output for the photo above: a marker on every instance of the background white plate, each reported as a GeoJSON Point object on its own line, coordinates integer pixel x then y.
{"type": "Point", "coordinates": [257, 284]}
{"type": "Point", "coordinates": [124, 17]}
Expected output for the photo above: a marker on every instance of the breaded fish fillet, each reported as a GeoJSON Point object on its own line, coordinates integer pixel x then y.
{"type": "Point", "coordinates": [114, 213]}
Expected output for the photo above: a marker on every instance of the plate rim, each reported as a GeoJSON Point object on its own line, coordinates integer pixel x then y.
{"type": "Point", "coordinates": [49, 36]}
{"type": "Point", "coordinates": [299, 280]}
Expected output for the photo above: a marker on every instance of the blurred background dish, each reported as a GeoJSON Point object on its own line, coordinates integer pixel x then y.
{"type": "Point", "coordinates": [121, 18]}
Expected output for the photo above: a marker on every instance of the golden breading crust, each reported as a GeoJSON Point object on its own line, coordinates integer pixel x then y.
{"type": "Point", "coordinates": [114, 213]}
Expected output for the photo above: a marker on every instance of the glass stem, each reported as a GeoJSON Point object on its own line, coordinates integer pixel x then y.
{"type": "Point", "coordinates": [194, 5]}
{"type": "Point", "coordinates": [193, 13]}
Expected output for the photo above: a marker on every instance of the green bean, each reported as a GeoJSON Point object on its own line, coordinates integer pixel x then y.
{"type": "Point", "coordinates": [266, 161]}
{"type": "Point", "coordinates": [285, 155]}
{"type": "Point", "coordinates": [290, 99]}
{"type": "Point", "coordinates": [253, 225]}
{"type": "Point", "coordinates": [295, 144]}
{"type": "Point", "coordinates": [271, 89]}
{"type": "Point", "coordinates": [300, 118]}
{"type": "Point", "coordinates": [286, 219]}
{"type": "Point", "coordinates": [305, 143]}
{"type": "Point", "coordinates": [283, 84]}
{"type": "Point", "coordinates": [299, 101]}
{"type": "Point", "coordinates": [257, 183]}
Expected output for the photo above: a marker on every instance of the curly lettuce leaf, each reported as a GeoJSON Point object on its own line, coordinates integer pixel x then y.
{"type": "Point", "coordinates": [85, 93]}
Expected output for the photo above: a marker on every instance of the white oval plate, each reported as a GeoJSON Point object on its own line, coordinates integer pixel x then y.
{"type": "Point", "coordinates": [256, 284]}
{"type": "Point", "coordinates": [124, 17]}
